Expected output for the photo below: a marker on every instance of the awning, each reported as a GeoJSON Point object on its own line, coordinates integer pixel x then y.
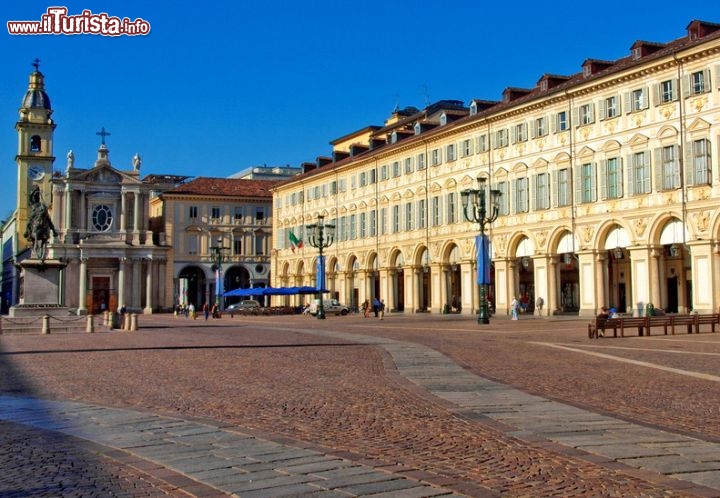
{"type": "Point", "coordinates": [273, 291]}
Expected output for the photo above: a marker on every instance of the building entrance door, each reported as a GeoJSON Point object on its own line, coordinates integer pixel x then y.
{"type": "Point", "coordinates": [100, 295]}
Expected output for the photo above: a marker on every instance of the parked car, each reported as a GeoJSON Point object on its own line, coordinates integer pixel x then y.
{"type": "Point", "coordinates": [330, 306]}
{"type": "Point", "coordinates": [243, 305]}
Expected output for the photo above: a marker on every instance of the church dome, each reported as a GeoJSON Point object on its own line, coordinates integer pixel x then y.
{"type": "Point", "coordinates": [35, 97]}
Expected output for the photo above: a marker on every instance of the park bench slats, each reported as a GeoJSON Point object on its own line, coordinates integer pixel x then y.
{"type": "Point", "coordinates": [646, 323]}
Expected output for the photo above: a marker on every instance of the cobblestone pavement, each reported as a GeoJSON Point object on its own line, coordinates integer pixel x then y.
{"type": "Point", "coordinates": [526, 408]}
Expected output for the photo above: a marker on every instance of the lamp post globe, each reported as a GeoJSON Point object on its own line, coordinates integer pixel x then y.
{"type": "Point", "coordinates": [217, 261]}
{"type": "Point", "coordinates": [476, 209]}
{"type": "Point", "coordinates": [321, 235]}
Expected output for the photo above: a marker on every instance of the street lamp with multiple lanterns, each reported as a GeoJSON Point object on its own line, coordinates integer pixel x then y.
{"type": "Point", "coordinates": [217, 256]}
{"type": "Point", "coordinates": [321, 236]}
{"type": "Point", "coordinates": [476, 210]}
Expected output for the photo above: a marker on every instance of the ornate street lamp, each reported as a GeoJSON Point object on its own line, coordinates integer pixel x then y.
{"type": "Point", "coordinates": [475, 210]}
{"type": "Point", "coordinates": [321, 236]}
{"type": "Point", "coordinates": [217, 260]}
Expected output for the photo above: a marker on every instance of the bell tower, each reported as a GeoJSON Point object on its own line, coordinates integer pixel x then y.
{"type": "Point", "coordinates": [35, 148]}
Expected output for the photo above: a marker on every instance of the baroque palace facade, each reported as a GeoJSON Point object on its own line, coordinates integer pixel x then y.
{"type": "Point", "coordinates": [609, 180]}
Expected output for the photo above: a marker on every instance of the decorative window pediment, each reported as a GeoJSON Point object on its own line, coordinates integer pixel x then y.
{"type": "Point", "coordinates": [638, 140]}
{"type": "Point", "coordinates": [520, 168]}
{"type": "Point", "coordinates": [586, 153]}
{"type": "Point", "coordinates": [698, 125]}
{"type": "Point", "coordinates": [610, 146]}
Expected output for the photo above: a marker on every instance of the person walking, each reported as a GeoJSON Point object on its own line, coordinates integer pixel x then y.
{"type": "Point", "coordinates": [366, 308]}
{"type": "Point", "coordinates": [514, 308]}
{"type": "Point", "coordinates": [382, 309]}
{"type": "Point", "coordinates": [206, 311]}
{"type": "Point", "coordinates": [539, 304]}
{"type": "Point", "coordinates": [376, 306]}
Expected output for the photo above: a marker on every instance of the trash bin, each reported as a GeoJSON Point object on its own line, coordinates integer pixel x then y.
{"type": "Point", "coordinates": [115, 320]}
{"type": "Point", "coordinates": [649, 309]}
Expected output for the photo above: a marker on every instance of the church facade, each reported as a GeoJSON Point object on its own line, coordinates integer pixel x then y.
{"type": "Point", "coordinates": [100, 214]}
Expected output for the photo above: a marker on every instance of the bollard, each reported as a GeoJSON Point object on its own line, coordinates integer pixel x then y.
{"type": "Point", "coordinates": [90, 327]}
{"type": "Point", "coordinates": [126, 321]}
{"type": "Point", "coordinates": [106, 319]}
{"type": "Point", "coordinates": [46, 324]}
{"type": "Point", "coordinates": [133, 322]}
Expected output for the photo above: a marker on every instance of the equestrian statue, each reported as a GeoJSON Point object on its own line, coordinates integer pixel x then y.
{"type": "Point", "coordinates": [39, 225]}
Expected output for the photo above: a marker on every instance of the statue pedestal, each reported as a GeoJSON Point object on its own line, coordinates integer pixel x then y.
{"type": "Point", "coordinates": [40, 282]}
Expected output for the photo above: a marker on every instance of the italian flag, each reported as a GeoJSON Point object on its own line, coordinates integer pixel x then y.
{"type": "Point", "coordinates": [295, 242]}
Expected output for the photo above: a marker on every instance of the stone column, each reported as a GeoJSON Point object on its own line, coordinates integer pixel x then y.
{"type": "Point", "coordinates": [136, 291]}
{"type": "Point", "coordinates": [656, 274]}
{"type": "Point", "coordinates": [68, 214]}
{"type": "Point", "coordinates": [542, 277]}
{"type": "Point", "coordinates": [601, 278]}
{"type": "Point", "coordinates": [701, 261]}
{"type": "Point", "coordinates": [512, 283]}
{"type": "Point", "coordinates": [121, 283]}
{"type": "Point", "coordinates": [444, 284]}
{"type": "Point", "coordinates": [136, 219]}
{"type": "Point", "coordinates": [587, 280]}
{"type": "Point", "coordinates": [416, 287]}
{"type": "Point", "coordinates": [82, 211]}
{"type": "Point", "coordinates": [148, 287]}
{"type": "Point", "coordinates": [640, 275]}
{"type": "Point", "coordinates": [123, 211]}
{"type": "Point", "coordinates": [468, 287]}
{"type": "Point", "coordinates": [363, 292]}
{"type": "Point", "coordinates": [58, 201]}
{"type": "Point", "coordinates": [82, 294]}
{"type": "Point", "coordinates": [553, 301]}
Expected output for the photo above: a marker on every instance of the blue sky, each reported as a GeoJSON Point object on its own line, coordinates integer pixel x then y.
{"type": "Point", "coordinates": [218, 86]}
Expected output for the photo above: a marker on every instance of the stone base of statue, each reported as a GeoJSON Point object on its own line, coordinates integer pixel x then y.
{"type": "Point", "coordinates": [40, 283]}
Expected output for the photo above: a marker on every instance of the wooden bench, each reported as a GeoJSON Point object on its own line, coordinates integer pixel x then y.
{"type": "Point", "coordinates": [602, 324]}
{"type": "Point", "coordinates": [711, 319]}
{"type": "Point", "coordinates": [663, 321]}
{"type": "Point", "coordinates": [694, 322]}
{"type": "Point", "coordinates": [641, 322]}
{"type": "Point", "coordinates": [683, 320]}
{"type": "Point", "coordinates": [645, 324]}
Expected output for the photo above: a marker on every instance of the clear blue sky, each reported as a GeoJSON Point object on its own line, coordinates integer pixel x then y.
{"type": "Point", "coordinates": [218, 86]}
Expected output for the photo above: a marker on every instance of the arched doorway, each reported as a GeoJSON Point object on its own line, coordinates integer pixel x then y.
{"type": "Point", "coordinates": [373, 276]}
{"type": "Point", "coordinates": [569, 277]}
{"type": "Point", "coordinates": [351, 284]}
{"type": "Point", "coordinates": [676, 293]}
{"type": "Point", "coordinates": [236, 277]}
{"type": "Point", "coordinates": [454, 282]}
{"type": "Point", "coordinates": [619, 270]}
{"type": "Point", "coordinates": [423, 283]}
{"type": "Point", "coordinates": [191, 286]}
{"type": "Point", "coordinates": [525, 275]}
{"type": "Point", "coordinates": [398, 283]}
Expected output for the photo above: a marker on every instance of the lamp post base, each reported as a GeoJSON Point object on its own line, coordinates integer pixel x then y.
{"type": "Point", "coordinates": [484, 311]}
{"type": "Point", "coordinates": [321, 313]}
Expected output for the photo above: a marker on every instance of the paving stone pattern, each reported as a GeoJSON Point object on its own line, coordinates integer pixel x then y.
{"type": "Point", "coordinates": [496, 441]}
{"type": "Point", "coordinates": [227, 461]}
{"type": "Point", "coordinates": [673, 455]}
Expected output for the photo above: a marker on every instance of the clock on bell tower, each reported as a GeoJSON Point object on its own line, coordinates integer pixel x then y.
{"type": "Point", "coordinates": [35, 158]}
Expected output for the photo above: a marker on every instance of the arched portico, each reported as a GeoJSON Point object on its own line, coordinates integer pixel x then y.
{"type": "Point", "coordinates": [396, 279]}
{"type": "Point", "coordinates": [192, 286]}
